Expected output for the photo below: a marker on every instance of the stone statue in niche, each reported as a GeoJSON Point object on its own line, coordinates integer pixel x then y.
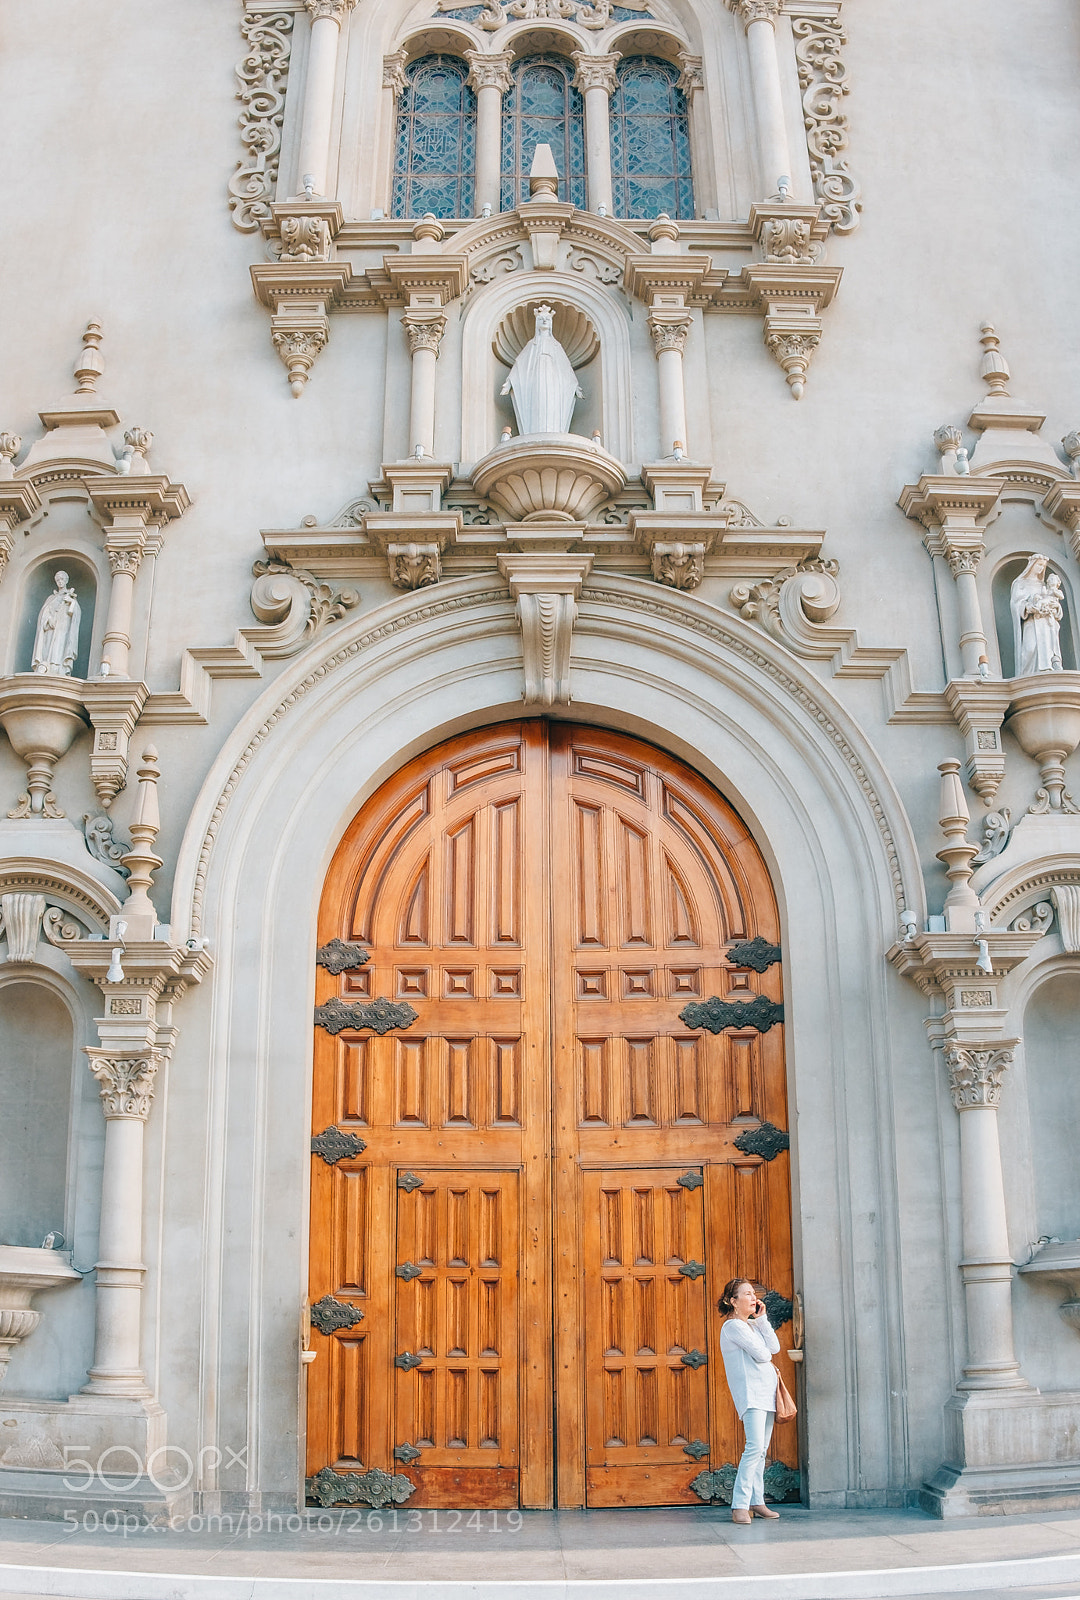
{"type": "Point", "coordinates": [542, 384]}
{"type": "Point", "coordinates": [1035, 602]}
{"type": "Point", "coordinates": [56, 643]}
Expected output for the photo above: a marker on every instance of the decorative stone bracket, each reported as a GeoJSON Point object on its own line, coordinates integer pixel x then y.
{"type": "Point", "coordinates": [546, 586]}
{"type": "Point", "coordinates": [24, 917]}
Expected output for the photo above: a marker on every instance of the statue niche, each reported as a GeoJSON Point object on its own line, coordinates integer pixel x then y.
{"type": "Point", "coordinates": [542, 385]}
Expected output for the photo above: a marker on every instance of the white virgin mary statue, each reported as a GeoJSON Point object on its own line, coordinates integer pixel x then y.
{"type": "Point", "coordinates": [1035, 604]}
{"type": "Point", "coordinates": [56, 643]}
{"type": "Point", "coordinates": [541, 382]}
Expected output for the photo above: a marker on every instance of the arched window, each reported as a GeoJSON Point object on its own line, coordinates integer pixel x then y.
{"type": "Point", "coordinates": [435, 154]}
{"type": "Point", "coordinates": [542, 107]}
{"type": "Point", "coordinates": [650, 141]}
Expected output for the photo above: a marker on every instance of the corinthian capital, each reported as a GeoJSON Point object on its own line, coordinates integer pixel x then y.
{"type": "Point", "coordinates": [749, 11]}
{"type": "Point", "coordinates": [975, 1074]}
{"type": "Point", "coordinates": [424, 330]}
{"type": "Point", "coordinates": [124, 559]}
{"type": "Point", "coordinates": [595, 72]}
{"type": "Point", "coordinates": [126, 1083]}
{"type": "Point", "coordinates": [489, 71]}
{"type": "Point", "coordinates": [669, 332]}
{"type": "Point", "coordinates": [393, 70]}
{"type": "Point", "coordinates": [334, 9]}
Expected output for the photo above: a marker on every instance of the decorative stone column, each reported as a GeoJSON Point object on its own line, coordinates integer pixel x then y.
{"type": "Point", "coordinates": [669, 330]}
{"type": "Point", "coordinates": [424, 329]}
{"type": "Point", "coordinates": [326, 19]}
{"type": "Point", "coordinates": [955, 510]}
{"type": "Point", "coordinates": [975, 1074]}
{"type": "Point", "coordinates": [489, 75]}
{"type": "Point", "coordinates": [132, 510]}
{"type": "Point", "coordinates": [595, 77]}
{"type": "Point", "coordinates": [758, 17]}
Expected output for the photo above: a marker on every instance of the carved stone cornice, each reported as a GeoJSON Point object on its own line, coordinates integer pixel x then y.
{"type": "Point", "coordinates": [976, 1073]}
{"type": "Point", "coordinates": [113, 706]}
{"type": "Point", "coordinates": [1062, 501]}
{"type": "Point", "coordinates": [18, 501]}
{"type": "Point", "coordinates": [125, 1082]}
{"type": "Point", "coordinates": [751, 11]}
{"type": "Point", "coordinates": [979, 706]}
{"type": "Point", "coordinates": [436, 276]}
{"type": "Point", "coordinates": [136, 503]}
{"type": "Point", "coordinates": [665, 280]}
{"type": "Point", "coordinates": [954, 508]}
{"type": "Point", "coordinates": [946, 965]}
{"type": "Point", "coordinates": [489, 71]}
{"type": "Point", "coordinates": [595, 72]}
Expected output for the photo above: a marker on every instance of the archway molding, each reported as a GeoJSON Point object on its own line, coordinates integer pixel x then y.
{"type": "Point", "coordinates": [347, 713]}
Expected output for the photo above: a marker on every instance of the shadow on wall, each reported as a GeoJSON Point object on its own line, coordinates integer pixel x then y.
{"type": "Point", "coordinates": [36, 1044]}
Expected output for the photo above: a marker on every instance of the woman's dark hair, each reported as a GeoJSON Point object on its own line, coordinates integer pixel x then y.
{"type": "Point", "coordinates": [731, 1289]}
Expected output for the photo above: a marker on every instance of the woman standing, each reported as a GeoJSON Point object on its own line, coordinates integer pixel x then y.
{"type": "Point", "coordinates": [748, 1344]}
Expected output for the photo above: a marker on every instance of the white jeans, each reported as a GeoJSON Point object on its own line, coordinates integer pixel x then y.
{"type": "Point", "coordinates": [749, 1487]}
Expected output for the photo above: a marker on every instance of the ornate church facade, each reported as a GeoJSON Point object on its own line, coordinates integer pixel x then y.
{"type": "Point", "coordinates": [540, 694]}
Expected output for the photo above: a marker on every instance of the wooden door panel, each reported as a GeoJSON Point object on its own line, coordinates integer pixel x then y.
{"type": "Point", "coordinates": [643, 1402]}
{"type": "Point", "coordinates": [547, 899]}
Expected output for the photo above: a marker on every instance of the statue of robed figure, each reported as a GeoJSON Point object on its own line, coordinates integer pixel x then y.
{"type": "Point", "coordinates": [56, 643]}
{"type": "Point", "coordinates": [542, 384]}
{"type": "Point", "coordinates": [1035, 602]}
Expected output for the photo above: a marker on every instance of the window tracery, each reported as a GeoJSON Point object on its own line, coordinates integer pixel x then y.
{"type": "Point", "coordinates": [435, 147]}
{"type": "Point", "coordinates": [650, 141]}
{"type": "Point", "coordinates": [542, 107]}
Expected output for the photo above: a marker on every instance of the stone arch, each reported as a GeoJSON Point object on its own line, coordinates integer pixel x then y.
{"type": "Point", "coordinates": [673, 670]}
{"type": "Point", "coordinates": [479, 366]}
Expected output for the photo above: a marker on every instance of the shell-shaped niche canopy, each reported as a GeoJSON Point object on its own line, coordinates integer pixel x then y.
{"type": "Point", "coordinates": [572, 327]}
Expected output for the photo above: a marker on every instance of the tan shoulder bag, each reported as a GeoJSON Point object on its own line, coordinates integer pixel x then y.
{"type": "Point", "coordinates": [785, 1405]}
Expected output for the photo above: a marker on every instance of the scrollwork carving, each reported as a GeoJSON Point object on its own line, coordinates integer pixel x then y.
{"type": "Point", "coordinates": [679, 566]}
{"type": "Point", "coordinates": [261, 76]}
{"type": "Point", "coordinates": [279, 587]}
{"type": "Point", "coordinates": [819, 42]}
{"type": "Point", "coordinates": [414, 566]}
{"type": "Point", "coordinates": [793, 597]}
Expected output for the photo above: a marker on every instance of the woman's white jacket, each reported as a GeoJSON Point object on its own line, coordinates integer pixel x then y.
{"type": "Point", "coordinates": [748, 1349]}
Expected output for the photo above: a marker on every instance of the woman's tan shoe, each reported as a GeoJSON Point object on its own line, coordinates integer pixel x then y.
{"type": "Point", "coordinates": [739, 1515]}
{"type": "Point", "coordinates": [764, 1511]}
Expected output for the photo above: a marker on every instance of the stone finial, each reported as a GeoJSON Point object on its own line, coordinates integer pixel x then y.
{"type": "Point", "coordinates": [10, 445]}
{"type": "Point", "coordinates": [429, 231]}
{"type": "Point", "coordinates": [961, 902]}
{"type": "Point", "coordinates": [948, 440]}
{"type": "Point", "coordinates": [137, 442]}
{"type": "Point", "coordinates": [141, 861]}
{"type": "Point", "coordinates": [1070, 444]}
{"type": "Point", "coordinates": [994, 369]}
{"type": "Point", "coordinates": [543, 175]}
{"type": "Point", "coordinates": [90, 363]}
{"type": "Point", "coordinates": [663, 235]}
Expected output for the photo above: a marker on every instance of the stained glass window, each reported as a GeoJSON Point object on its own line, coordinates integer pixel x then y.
{"type": "Point", "coordinates": [542, 107]}
{"type": "Point", "coordinates": [650, 141]}
{"type": "Point", "coordinates": [435, 153]}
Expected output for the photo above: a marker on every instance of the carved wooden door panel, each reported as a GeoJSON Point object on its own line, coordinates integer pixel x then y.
{"type": "Point", "coordinates": [456, 1318]}
{"type": "Point", "coordinates": [657, 877]}
{"type": "Point", "coordinates": [440, 880]}
{"type": "Point", "coordinates": [648, 1390]}
{"type": "Point", "coordinates": [547, 1049]}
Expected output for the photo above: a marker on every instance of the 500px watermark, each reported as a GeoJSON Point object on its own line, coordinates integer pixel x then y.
{"type": "Point", "coordinates": [343, 1520]}
{"type": "Point", "coordinates": [121, 1469]}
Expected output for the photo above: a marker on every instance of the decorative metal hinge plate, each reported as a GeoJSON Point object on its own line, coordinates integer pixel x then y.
{"type": "Point", "coordinates": [406, 1453]}
{"type": "Point", "coordinates": [696, 1448]}
{"type": "Point", "coordinates": [690, 1180]}
{"type": "Point", "coordinates": [765, 1141]}
{"type": "Point", "coordinates": [380, 1016]}
{"type": "Point", "coordinates": [715, 1485]}
{"type": "Point", "coordinates": [407, 1361]}
{"type": "Point", "coordinates": [695, 1359]}
{"type": "Point", "coordinates": [374, 1488]}
{"type": "Point", "coordinates": [777, 1309]}
{"type": "Point", "coordinates": [409, 1181]}
{"type": "Point", "coordinates": [756, 953]}
{"type": "Point", "coordinates": [715, 1014]}
{"type": "Point", "coordinates": [335, 1145]}
{"type": "Point", "coordinates": [338, 957]}
{"type": "Point", "coordinates": [693, 1269]}
{"type": "Point", "coordinates": [407, 1270]}
{"type": "Point", "coordinates": [328, 1315]}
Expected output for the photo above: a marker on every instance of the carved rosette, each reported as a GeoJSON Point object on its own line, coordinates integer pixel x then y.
{"type": "Point", "coordinates": [126, 1083]}
{"type": "Point", "coordinates": [299, 349]}
{"type": "Point", "coordinates": [489, 71]}
{"type": "Point", "coordinates": [794, 352]}
{"type": "Point", "coordinates": [261, 79]}
{"type": "Point", "coordinates": [975, 1074]}
{"type": "Point", "coordinates": [595, 72]}
{"type": "Point", "coordinates": [670, 334]}
{"type": "Point", "coordinates": [819, 42]}
{"type": "Point", "coordinates": [423, 330]}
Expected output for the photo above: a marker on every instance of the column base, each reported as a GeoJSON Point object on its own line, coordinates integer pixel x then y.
{"type": "Point", "coordinates": [90, 1454]}
{"type": "Point", "coordinates": [1008, 1453]}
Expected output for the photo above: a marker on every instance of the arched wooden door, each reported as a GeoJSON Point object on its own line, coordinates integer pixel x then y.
{"type": "Point", "coordinates": [534, 1167]}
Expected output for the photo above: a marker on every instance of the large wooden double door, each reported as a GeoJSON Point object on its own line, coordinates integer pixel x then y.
{"type": "Point", "coordinates": [549, 1196]}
